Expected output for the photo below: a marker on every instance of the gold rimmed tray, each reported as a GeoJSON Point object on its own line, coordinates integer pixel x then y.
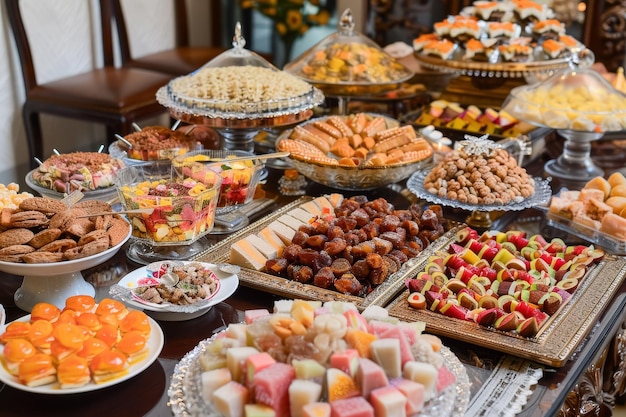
{"type": "Point", "coordinates": [558, 338]}
{"type": "Point", "coordinates": [381, 296]}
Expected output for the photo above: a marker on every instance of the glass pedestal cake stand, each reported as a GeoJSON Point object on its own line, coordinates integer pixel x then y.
{"type": "Point", "coordinates": [575, 163]}
{"type": "Point", "coordinates": [480, 214]}
{"type": "Point", "coordinates": [238, 131]}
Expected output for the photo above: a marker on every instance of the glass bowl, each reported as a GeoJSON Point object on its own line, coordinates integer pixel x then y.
{"type": "Point", "coordinates": [365, 169]}
{"type": "Point", "coordinates": [239, 178]}
{"type": "Point", "coordinates": [177, 210]}
{"type": "Point", "coordinates": [357, 179]}
{"type": "Point", "coordinates": [153, 143]}
{"type": "Point", "coordinates": [572, 99]}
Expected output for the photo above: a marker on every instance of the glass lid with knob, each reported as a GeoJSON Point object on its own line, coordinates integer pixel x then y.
{"type": "Point", "coordinates": [348, 63]}
{"type": "Point", "coordinates": [577, 99]}
{"type": "Point", "coordinates": [239, 84]}
{"type": "Point", "coordinates": [582, 106]}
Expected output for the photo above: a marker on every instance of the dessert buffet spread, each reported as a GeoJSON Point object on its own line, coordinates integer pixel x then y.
{"type": "Point", "coordinates": [42, 230]}
{"type": "Point", "coordinates": [307, 359]}
{"type": "Point", "coordinates": [77, 171]}
{"type": "Point", "coordinates": [80, 347]}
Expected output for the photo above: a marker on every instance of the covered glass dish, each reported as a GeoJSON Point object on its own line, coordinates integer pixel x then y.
{"type": "Point", "coordinates": [347, 63]}
{"type": "Point", "coordinates": [238, 84]}
{"type": "Point", "coordinates": [575, 99]}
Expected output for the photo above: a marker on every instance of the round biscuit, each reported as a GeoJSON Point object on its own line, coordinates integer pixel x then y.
{"type": "Point", "coordinates": [17, 236]}
{"type": "Point", "coordinates": [88, 249]}
{"type": "Point", "coordinates": [80, 227]}
{"type": "Point", "coordinates": [43, 204]}
{"type": "Point", "coordinates": [41, 257]}
{"type": "Point", "coordinates": [30, 218]}
{"type": "Point", "coordinates": [62, 220]}
{"type": "Point", "coordinates": [14, 253]}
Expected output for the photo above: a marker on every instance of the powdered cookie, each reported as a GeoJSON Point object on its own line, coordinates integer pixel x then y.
{"type": "Point", "coordinates": [93, 206]}
{"type": "Point", "coordinates": [93, 235]}
{"type": "Point", "coordinates": [39, 257]}
{"type": "Point", "coordinates": [14, 253]}
{"type": "Point", "coordinates": [30, 218]}
{"type": "Point", "coordinates": [19, 236]}
{"type": "Point", "coordinates": [91, 248]}
{"type": "Point", "coordinates": [60, 245]}
{"type": "Point", "coordinates": [44, 237]}
{"type": "Point", "coordinates": [118, 231]}
{"type": "Point", "coordinates": [43, 204]}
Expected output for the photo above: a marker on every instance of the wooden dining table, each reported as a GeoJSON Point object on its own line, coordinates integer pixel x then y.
{"type": "Point", "coordinates": [591, 379]}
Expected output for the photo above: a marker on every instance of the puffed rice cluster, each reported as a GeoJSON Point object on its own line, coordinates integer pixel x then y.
{"type": "Point", "coordinates": [236, 86]}
{"type": "Point", "coordinates": [492, 178]}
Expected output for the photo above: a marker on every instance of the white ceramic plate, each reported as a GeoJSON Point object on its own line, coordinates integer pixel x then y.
{"type": "Point", "coordinates": [228, 284]}
{"type": "Point", "coordinates": [155, 344]}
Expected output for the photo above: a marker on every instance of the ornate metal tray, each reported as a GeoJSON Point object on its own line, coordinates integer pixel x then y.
{"type": "Point", "coordinates": [381, 296]}
{"type": "Point", "coordinates": [557, 340]}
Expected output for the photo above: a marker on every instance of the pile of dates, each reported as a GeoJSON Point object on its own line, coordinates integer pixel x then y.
{"type": "Point", "coordinates": [360, 246]}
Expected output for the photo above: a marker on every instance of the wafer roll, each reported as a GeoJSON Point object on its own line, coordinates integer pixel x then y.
{"type": "Point", "coordinates": [328, 128]}
{"type": "Point", "coordinates": [303, 134]}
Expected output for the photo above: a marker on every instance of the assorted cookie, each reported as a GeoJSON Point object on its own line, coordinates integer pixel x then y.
{"type": "Point", "coordinates": [43, 230]}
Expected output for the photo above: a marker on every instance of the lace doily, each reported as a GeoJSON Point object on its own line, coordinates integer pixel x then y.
{"type": "Point", "coordinates": [507, 389]}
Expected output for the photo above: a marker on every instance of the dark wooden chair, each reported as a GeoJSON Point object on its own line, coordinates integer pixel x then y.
{"type": "Point", "coordinates": [115, 97]}
{"type": "Point", "coordinates": [180, 60]}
